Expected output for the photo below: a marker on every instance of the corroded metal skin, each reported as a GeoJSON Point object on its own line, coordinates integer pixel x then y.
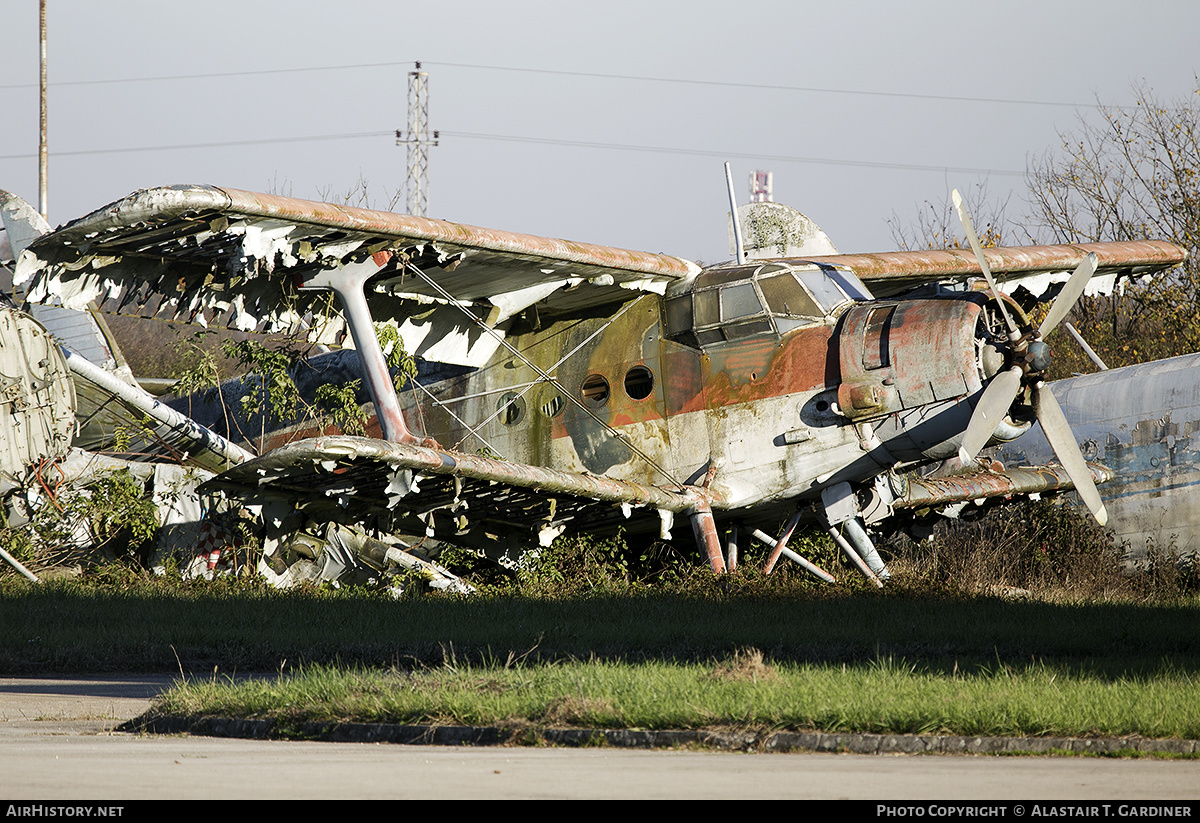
{"type": "Point", "coordinates": [889, 273]}
{"type": "Point", "coordinates": [504, 243]}
{"type": "Point", "coordinates": [897, 355]}
{"type": "Point", "coordinates": [1143, 421]}
{"type": "Point", "coordinates": [705, 530]}
{"type": "Point", "coordinates": [463, 498]}
{"type": "Point", "coordinates": [37, 399]}
{"type": "Point", "coordinates": [341, 449]}
{"type": "Point", "coordinates": [984, 484]}
{"type": "Point", "coordinates": [615, 384]}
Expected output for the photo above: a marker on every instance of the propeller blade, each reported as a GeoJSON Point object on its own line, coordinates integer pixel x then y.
{"type": "Point", "coordinates": [977, 247]}
{"type": "Point", "coordinates": [1062, 440]}
{"type": "Point", "coordinates": [1070, 293]}
{"type": "Point", "coordinates": [989, 411]}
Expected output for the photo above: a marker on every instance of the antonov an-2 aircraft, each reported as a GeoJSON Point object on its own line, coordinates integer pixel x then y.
{"type": "Point", "coordinates": [601, 387]}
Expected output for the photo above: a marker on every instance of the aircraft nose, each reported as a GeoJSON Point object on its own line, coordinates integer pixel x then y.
{"type": "Point", "coordinates": [1039, 356]}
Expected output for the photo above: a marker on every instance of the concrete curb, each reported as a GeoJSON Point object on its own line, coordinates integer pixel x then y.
{"type": "Point", "coordinates": [642, 739]}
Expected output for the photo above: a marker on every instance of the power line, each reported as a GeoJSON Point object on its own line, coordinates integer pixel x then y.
{"type": "Point", "coordinates": [510, 138]}
{"type": "Point", "coordinates": [210, 145]}
{"type": "Point", "coordinates": [771, 87]}
{"type": "Point", "coordinates": [783, 158]}
{"type": "Point", "coordinates": [204, 76]}
{"type": "Point", "coordinates": [594, 75]}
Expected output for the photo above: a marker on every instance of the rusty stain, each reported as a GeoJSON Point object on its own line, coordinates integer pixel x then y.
{"type": "Point", "coordinates": [888, 272]}
{"type": "Point", "coordinates": [620, 387]}
{"type": "Point", "coordinates": [981, 485]}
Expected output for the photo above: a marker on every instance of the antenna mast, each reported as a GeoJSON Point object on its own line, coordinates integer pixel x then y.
{"type": "Point", "coordinates": [738, 248]}
{"type": "Point", "coordinates": [418, 141]}
{"type": "Point", "coordinates": [761, 189]}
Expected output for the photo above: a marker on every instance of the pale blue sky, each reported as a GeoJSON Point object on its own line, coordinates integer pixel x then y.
{"type": "Point", "coordinates": [878, 105]}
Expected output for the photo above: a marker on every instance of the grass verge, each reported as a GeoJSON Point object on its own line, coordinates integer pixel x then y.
{"type": "Point", "coordinates": [894, 661]}
{"type": "Point", "coordinates": [885, 696]}
{"type": "Point", "coordinates": [596, 635]}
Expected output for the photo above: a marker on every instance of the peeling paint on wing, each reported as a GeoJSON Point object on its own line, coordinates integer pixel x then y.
{"type": "Point", "coordinates": [22, 222]}
{"type": "Point", "coordinates": [890, 273]}
{"type": "Point", "coordinates": [266, 245]}
{"type": "Point", "coordinates": [1039, 285]}
{"type": "Point", "coordinates": [200, 246]}
{"type": "Point", "coordinates": [510, 303]}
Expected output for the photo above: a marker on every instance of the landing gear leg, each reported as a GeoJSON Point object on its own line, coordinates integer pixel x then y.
{"type": "Point", "coordinates": [840, 508]}
{"type": "Point", "coordinates": [705, 529]}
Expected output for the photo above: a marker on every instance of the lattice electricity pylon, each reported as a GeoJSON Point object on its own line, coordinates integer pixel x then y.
{"type": "Point", "coordinates": [418, 141]}
{"type": "Point", "coordinates": [761, 190]}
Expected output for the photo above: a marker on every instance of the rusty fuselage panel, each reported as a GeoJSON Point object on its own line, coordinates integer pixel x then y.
{"type": "Point", "coordinates": [617, 376]}
{"type": "Point", "coordinates": [901, 355]}
{"type": "Point", "coordinates": [770, 413]}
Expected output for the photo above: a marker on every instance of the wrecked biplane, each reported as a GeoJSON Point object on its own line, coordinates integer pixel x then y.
{"type": "Point", "coordinates": [609, 387]}
{"type": "Point", "coordinates": [75, 418]}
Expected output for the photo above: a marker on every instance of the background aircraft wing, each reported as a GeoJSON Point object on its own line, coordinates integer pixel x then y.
{"type": "Point", "coordinates": [1036, 267]}
{"type": "Point", "coordinates": [122, 420]}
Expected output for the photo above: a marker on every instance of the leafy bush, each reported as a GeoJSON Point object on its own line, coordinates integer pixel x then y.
{"type": "Point", "coordinates": [109, 518]}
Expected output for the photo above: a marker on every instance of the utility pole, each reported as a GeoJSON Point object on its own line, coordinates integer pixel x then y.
{"type": "Point", "coordinates": [418, 141]}
{"type": "Point", "coordinates": [43, 152]}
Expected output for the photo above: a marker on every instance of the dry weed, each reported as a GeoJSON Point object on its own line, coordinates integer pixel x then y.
{"type": "Point", "coordinates": [574, 711]}
{"type": "Point", "coordinates": [746, 664]}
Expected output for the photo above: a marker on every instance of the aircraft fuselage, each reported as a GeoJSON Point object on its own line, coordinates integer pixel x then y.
{"type": "Point", "coordinates": [777, 403]}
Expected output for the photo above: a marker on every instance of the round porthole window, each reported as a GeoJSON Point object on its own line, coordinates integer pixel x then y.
{"type": "Point", "coordinates": [639, 382]}
{"type": "Point", "coordinates": [552, 405]}
{"type": "Point", "coordinates": [595, 390]}
{"type": "Point", "coordinates": [512, 408]}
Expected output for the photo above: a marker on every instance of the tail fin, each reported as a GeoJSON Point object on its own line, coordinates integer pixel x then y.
{"type": "Point", "coordinates": [22, 223]}
{"type": "Point", "coordinates": [84, 332]}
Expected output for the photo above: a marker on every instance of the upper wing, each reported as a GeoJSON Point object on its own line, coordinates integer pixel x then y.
{"type": "Point", "coordinates": [1035, 267]}
{"type": "Point", "coordinates": [192, 252]}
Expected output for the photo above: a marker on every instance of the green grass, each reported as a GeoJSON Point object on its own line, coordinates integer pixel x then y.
{"type": "Point", "coordinates": [155, 624]}
{"type": "Point", "coordinates": [596, 634]}
{"type": "Point", "coordinates": [895, 661]}
{"type": "Point", "coordinates": [880, 696]}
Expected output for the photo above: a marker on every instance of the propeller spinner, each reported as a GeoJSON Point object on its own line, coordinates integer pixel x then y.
{"type": "Point", "coordinates": [1029, 358]}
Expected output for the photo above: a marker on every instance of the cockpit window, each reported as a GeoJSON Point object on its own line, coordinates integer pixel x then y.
{"type": "Point", "coordinates": [823, 288]}
{"type": "Point", "coordinates": [849, 283]}
{"type": "Point", "coordinates": [787, 297]}
{"type": "Point", "coordinates": [679, 313]}
{"type": "Point", "coordinates": [707, 308]}
{"type": "Point", "coordinates": [738, 301]}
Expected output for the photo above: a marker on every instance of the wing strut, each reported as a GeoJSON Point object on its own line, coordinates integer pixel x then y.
{"type": "Point", "coordinates": [348, 283]}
